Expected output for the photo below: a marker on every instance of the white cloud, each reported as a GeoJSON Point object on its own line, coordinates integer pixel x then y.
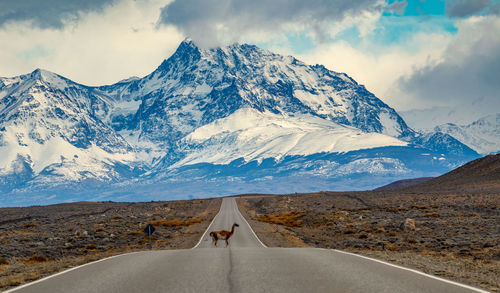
{"type": "Point", "coordinates": [457, 72]}
{"type": "Point", "coordinates": [103, 47]}
{"type": "Point", "coordinates": [218, 22]}
{"type": "Point", "coordinates": [379, 68]}
{"type": "Point", "coordinates": [425, 69]}
{"type": "Point", "coordinates": [468, 71]}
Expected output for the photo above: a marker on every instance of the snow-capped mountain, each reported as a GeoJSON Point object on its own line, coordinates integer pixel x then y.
{"type": "Point", "coordinates": [254, 135]}
{"type": "Point", "coordinates": [53, 128]}
{"type": "Point", "coordinates": [195, 87]}
{"type": "Point", "coordinates": [231, 114]}
{"type": "Point", "coordinates": [460, 114]}
{"type": "Point", "coordinates": [482, 135]}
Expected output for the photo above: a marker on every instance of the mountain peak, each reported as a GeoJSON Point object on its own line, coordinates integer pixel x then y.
{"type": "Point", "coordinates": [49, 77]}
{"type": "Point", "coordinates": [188, 44]}
{"type": "Point", "coordinates": [188, 40]}
{"type": "Point", "coordinates": [40, 73]}
{"type": "Point", "coordinates": [44, 75]}
{"type": "Point", "coordinates": [210, 114]}
{"type": "Point", "coordinates": [186, 52]}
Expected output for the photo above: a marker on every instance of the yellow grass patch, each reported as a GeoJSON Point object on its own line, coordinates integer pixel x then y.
{"type": "Point", "coordinates": [432, 215]}
{"type": "Point", "coordinates": [176, 223]}
{"type": "Point", "coordinates": [31, 225]}
{"type": "Point", "coordinates": [91, 246]}
{"type": "Point", "coordinates": [35, 259]}
{"type": "Point", "coordinates": [289, 219]}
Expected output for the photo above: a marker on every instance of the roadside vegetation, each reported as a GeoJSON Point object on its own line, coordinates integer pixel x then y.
{"type": "Point", "coordinates": [452, 236]}
{"type": "Point", "coordinates": [42, 240]}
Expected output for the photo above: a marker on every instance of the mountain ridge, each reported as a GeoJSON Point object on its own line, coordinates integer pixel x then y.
{"type": "Point", "coordinates": [205, 109]}
{"type": "Point", "coordinates": [482, 135]}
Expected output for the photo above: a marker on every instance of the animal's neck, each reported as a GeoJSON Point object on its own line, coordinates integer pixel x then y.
{"type": "Point", "coordinates": [232, 230]}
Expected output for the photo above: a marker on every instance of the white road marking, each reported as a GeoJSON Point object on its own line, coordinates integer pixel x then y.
{"type": "Point", "coordinates": [339, 251]}
{"type": "Point", "coordinates": [67, 271]}
{"type": "Point", "coordinates": [208, 228]}
{"type": "Point", "coordinates": [410, 270]}
{"type": "Point", "coordinates": [93, 262]}
{"type": "Point", "coordinates": [249, 225]}
{"type": "Point", "coordinates": [211, 223]}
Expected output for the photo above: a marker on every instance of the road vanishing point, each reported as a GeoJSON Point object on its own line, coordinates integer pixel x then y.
{"type": "Point", "coordinates": [246, 265]}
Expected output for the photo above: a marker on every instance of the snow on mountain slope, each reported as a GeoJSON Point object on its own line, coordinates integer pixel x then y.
{"type": "Point", "coordinates": [196, 86]}
{"type": "Point", "coordinates": [47, 120]}
{"type": "Point", "coordinates": [482, 135]}
{"type": "Point", "coordinates": [462, 114]}
{"type": "Point", "coordinates": [254, 135]}
{"type": "Point", "coordinates": [209, 115]}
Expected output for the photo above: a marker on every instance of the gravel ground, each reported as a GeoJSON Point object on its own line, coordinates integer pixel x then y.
{"type": "Point", "coordinates": [41, 240]}
{"type": "Point", "coordinates": [453, 236]}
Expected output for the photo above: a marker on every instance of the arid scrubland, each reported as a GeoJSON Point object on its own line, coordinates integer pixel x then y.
{"type": "Point", "coordinates": [452, 236]}
{"type": "Point", "coordinates": [41, 240]}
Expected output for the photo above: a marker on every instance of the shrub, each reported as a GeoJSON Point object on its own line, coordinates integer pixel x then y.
{"type": "Point", "coordinates": [91, 247]}
{"type": "Point", "coordinates": [289, 219]}
{"type": "Point", "coordinates": [176, 223]}
{"type": "Point", "coordinates": [36, 259]}
{"type": "Point", "coordinates": [30, 225]}
{"type": "Point", "coordinates": [411, 240]}
{"type": "Point", "coordinates": [392, 247]}
{"type": "Point", "coordinates": [432, 214]}
{"type": "Point", "coordinates": [419, 207]}
{"type": "Point", "coordinates": [391, 209]}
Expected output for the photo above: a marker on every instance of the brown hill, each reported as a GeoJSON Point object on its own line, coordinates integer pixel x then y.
{"type": "Point", "coordinates": [478, 176]}
{"type": "Point", "coordinates": [404, 183]}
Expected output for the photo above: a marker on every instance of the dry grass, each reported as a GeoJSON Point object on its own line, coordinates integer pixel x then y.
{"type": "Point", "coordinates": [176, 223]}
{"type": "Point", "coordinates": [35, 259]}
{"type": "Point", "coordinates": [432, 215]}
{"type": "Point", "coordinates": [31, 225]}
{"type": "Point", "coordinates": [135, 233]}
{"type": "Point", "coordinates": [480, 273]}
{"type": "Point", "coordinates": [91, 247]}
{"type": "Point", "coordinates": [27, 271]}
{"type": "Point", "coordinates": [33, 248]}
{"type": "Point", "coordinates": [456, 234]}
{"type": "Point", "coordinates": [289, 219]}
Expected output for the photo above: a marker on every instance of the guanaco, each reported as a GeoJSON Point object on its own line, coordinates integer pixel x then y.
{"type": "Point", "coordinates": [223, 235]}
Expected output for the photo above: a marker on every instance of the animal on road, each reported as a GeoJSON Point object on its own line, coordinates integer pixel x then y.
{"type": "Point", "coordinates": [223, 235]}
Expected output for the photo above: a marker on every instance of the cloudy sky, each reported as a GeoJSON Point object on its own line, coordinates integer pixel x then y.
{"type": "Point", "coordinates": [413, 54]}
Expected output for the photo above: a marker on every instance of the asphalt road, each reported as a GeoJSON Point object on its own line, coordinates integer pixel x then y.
{"type": "Point", "coordinates": [245, 266]}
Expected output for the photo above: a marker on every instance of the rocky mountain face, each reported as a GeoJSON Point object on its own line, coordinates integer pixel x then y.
{"type": "Point", "coordinates": [483, 135]}
{"type": "Point", "coordinates": [208, 122]}
{"type": "Point", "coordinates": [52, 129]}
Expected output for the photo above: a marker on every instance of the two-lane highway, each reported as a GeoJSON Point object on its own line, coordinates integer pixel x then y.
{"type": "Point", "coordinates": [243, 237]}
{"type": "Point", "coordinates": [245, 266]}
